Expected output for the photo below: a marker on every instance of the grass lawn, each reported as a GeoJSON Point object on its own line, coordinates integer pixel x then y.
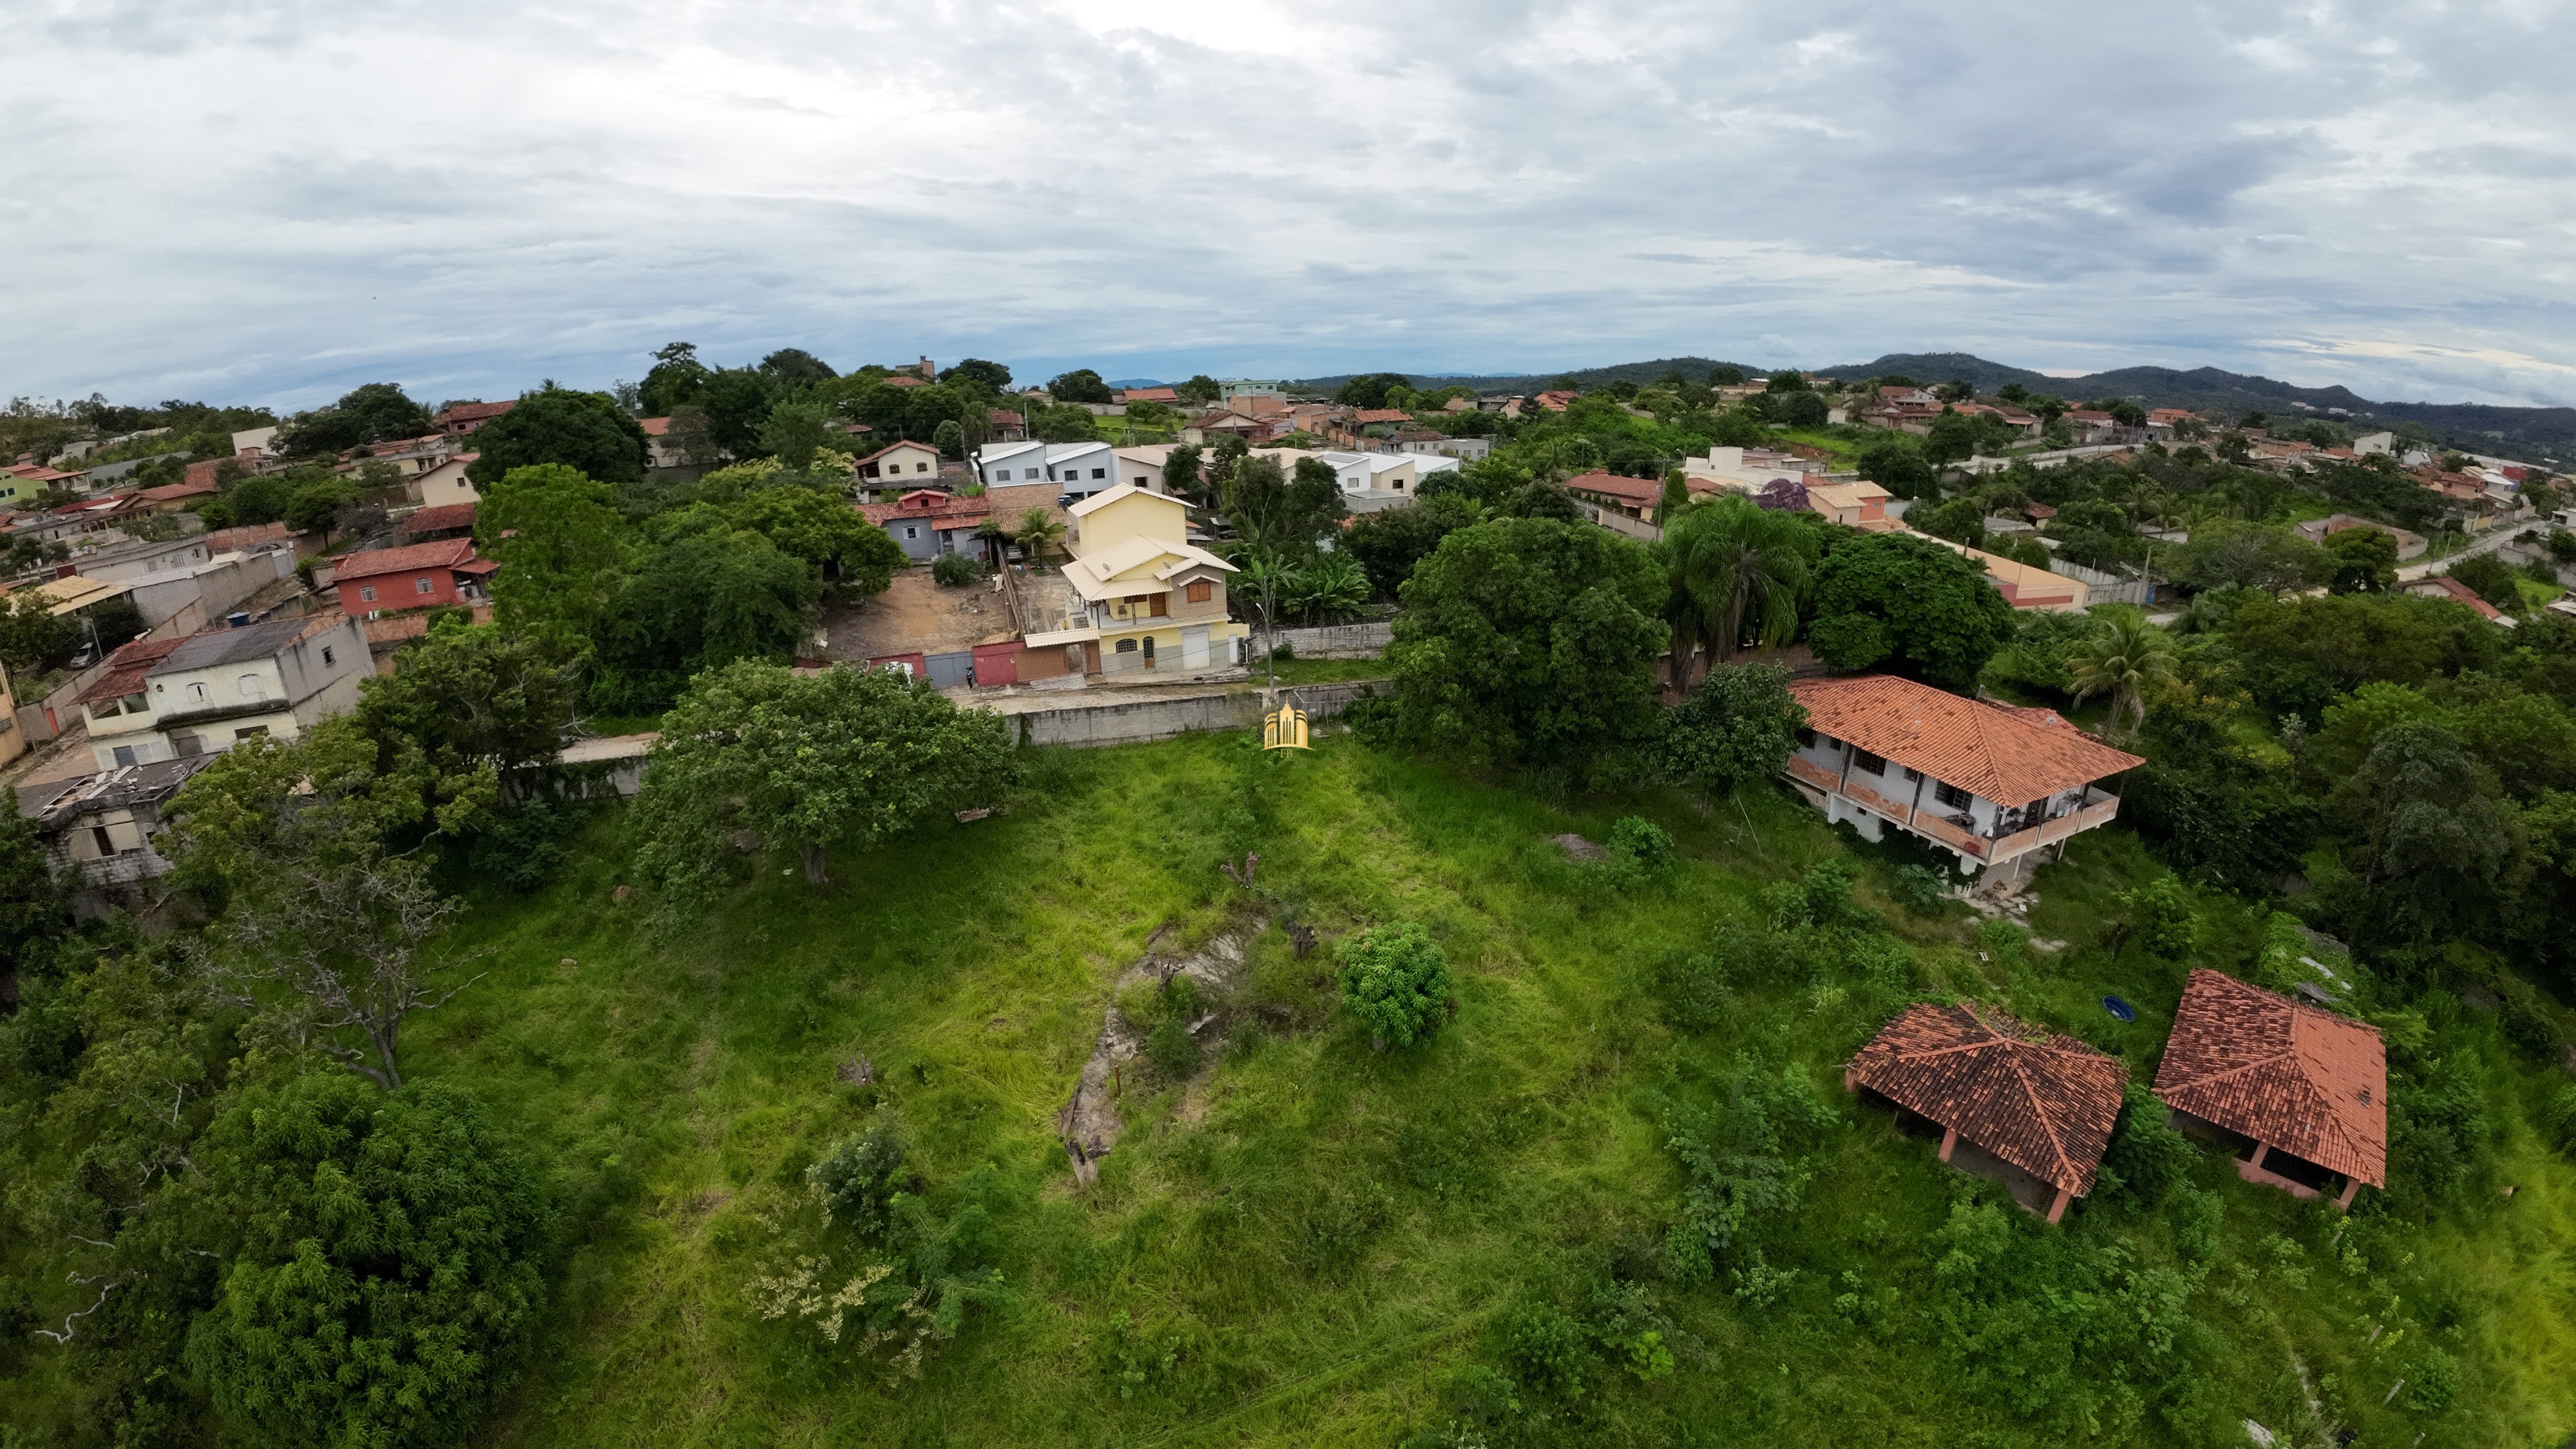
{"type": "Point", "coordinates": [2536, 594]}
{"type": "Point", "coordinates": [1304, 1241]}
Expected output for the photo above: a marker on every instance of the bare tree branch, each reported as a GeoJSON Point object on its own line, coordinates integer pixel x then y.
{"type": "Point", "coordinates": [104, 1289]}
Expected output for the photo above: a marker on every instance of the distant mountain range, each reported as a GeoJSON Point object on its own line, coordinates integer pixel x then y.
{"type": "Point", "coordinates": [2539, 434]}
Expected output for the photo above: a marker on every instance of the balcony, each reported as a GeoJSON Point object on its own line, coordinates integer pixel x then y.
{"type": "Point", "coordinates": [2097, 808]}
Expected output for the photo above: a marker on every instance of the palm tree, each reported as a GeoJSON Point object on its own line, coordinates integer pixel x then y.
{"type": "Point", "coordinates": [2127, 658]}
{"type": "Point", "coordinates": [1737, 573]}
{"type": "Point", "coordinates": [1040, 532]}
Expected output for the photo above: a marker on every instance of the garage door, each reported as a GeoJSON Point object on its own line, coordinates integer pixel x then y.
{"type": "Point", "coordinates": [948, 670]}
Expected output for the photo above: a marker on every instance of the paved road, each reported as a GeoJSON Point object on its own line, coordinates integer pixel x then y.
{"type": "Point", "coordinates": [2487, 542]}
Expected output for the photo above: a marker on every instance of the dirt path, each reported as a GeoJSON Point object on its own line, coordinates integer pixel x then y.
{"type": "Point", "coordinates": [1090, 1123]}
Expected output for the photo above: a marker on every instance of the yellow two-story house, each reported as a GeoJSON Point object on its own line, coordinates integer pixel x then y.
{"type": "Point", "coordinates": [1147, 598]}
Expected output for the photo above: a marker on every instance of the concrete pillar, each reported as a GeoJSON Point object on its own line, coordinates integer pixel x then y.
{"type": "Point", "coordinates": [1949, 1140]}
{"type": "Point", "coordinates": [2351, 1185]}
{"type": "Point", "coordinates": [2256, 1161]}
{"type": "Point", "coordinates": [2057, 1208]}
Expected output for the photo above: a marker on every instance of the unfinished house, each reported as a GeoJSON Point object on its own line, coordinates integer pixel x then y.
{"type": "Point", "coordinates": [1993, 784]}
{"type": "Point", "coordinates": [2028, 1108]}
{"type": "Point", "coordinates": [2299, 1093]}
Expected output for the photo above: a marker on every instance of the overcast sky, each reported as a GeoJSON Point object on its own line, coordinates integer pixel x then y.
{"type": "Point", "coordinates": [273, 200]}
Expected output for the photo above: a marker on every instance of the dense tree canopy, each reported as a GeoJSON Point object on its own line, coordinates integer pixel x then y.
{"type": "Point", "coordinates": [1890, 600]}
{"type": "Point", "coordinates": [583, 430]}
{"type": "Point", "coordinates": [1082, 385]}
{"type": "Point", "coordinates": [380, 1265]}
{"type": "Point", "coordinates": [1529, 639]}
{"type": "Point", "coordinates": [1389, 542]}
{"type": "Point", "coordinates": [378, 412]}
{"type": "Point", "coordinates": [806, 763]}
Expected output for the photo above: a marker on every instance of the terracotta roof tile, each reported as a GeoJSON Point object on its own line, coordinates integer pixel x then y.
{"type": "Point", "coordinates": [2044, 1103]}
{"type": "Point", "coordinates": [438, 519]}
{"type": "Point", "coordinates": [127, 667]}
{"type": "Point", "coordinates": [1993, 751]}
{"type": "Point", "coordinates": [373, 563]}
{"type": "Point", "coordinates": [2290, 1076]}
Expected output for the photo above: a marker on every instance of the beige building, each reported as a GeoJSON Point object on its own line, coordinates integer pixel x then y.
{"type": "Point", "coordinates": [445, 483]}
{"type": "Point", "coordinates": [1147, 598]}
{"type": "Point", "coordinates": [165, 699]}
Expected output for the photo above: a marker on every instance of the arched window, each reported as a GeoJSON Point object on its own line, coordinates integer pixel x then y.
{"type": "Point", "coordinates": [1126, 646]}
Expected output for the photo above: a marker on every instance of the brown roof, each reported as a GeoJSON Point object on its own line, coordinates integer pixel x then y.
{"type": "Point", "coordinates": [2044, 1103]}
{"type": "Point", "coordinates": [2289, 1076]}
{"type": "Point", "coordinates": [126, 668]}
{"type": "Point", "coordinates": [446, 553]}
{"type": "Point", "coordinates": [1381, 415]}
{"type": "Point", "coordinates": [1149, 394]}
{"type": "Point", "coordinates": [2000, 754]}
{"type": "Point", "coordinates": [2457, 592]}
{"type": "Point", "coordinates": [438, 519]}
{"type": "Point", "coordinates": [654, 427]}
{"type": "Point", "coordinates": [1001, 418]}
{"type": "Point", "coordinates": [929, 504]}
{"type": "Point", "coordinates": [225, 539]}
{"type": "Point", "coordinates": [467, 412]}
{"type": "Point", "coordinates": [168, 492]}
{"type": "Point", "coordinates": [1611, 485]}
{"type": "Point", "coordinates": [890, 447]}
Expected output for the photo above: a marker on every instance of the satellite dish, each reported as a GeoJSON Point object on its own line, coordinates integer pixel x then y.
{"type": "Point", "coordinates": [2121, 1009]}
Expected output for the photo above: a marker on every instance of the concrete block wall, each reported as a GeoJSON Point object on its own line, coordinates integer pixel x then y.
{"type": "Point", "coordinates": [1085, 726]}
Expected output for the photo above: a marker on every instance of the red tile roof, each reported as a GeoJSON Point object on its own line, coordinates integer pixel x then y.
{"type": "Point", "coordinates": [170, 492]}
{"type": "Point", "coordinates": [2008, 756]}
{"type": "Point", "coordinates": [1149, 394]}
{"type": "Point", "coordinates": [1382, 415]}
{"type": "Point", "coordinates": [439, 519]}
{"type": "Point", "coordinates": [126, 668]}
{"type": "Point", "coordinates": [2044, 1103]}
{"type": "Point", "coordinates": [467, 412]}
{"type": "Point", "coordinates": [1611, 485]}
{"type": "Point", "coordinates": [446, 553]}
{"type": "Point", "coordinates": [654, 427]}
{"type": "Point", "coordinates": [906, 379]}
{"type": "Point", "coordinates": [928, 504]}
{"type": "Point", "coordinates": [2458, 593]}
{"type": "Point", "coordinates": [2293, 1077]}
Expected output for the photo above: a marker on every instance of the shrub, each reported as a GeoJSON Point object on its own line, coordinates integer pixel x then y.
{"type": "Point", "coordinates": [1919, 888]}
{"type": "Point", "coordinates": [2148, 1158]}
{"type": "Point", "coordinates": [955, 570]}
{"type": "Point", "coordinates": [1548, 1350]}
{"type": "Point", "coordinates": [2433, 1382]}
{"type": "Point", "coordinates": [2562, 1119]}
{"type": "Point", "coordinates": [858, 1179]}
{"type": "Point", "coordinates": [2160, 917]}
{"type": "Point", "coordinates": [1643, 844]}
{"type": "Point", "coordinates": [1172, 1050]}
{"type": "Point", "coordinates": [1396, 978]}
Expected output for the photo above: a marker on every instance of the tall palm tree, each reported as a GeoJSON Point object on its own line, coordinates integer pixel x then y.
{"type": "Point", "coordinates": [1039, 532]}
{"type": "Point", "coordinates": [1737, 573]}
{"type": "Point", "coordinates": [2127, 658]}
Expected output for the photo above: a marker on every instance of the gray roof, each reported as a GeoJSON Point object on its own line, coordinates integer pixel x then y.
{"type": "Point", "coordinates": [57, 802]}
{"type": "Point", "coordinates": [111, 472]}
{"type": "Point", "coordinates": [232, 646]}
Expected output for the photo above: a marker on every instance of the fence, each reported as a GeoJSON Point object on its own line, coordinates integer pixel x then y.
{"type": "Point", "coordinates": [1336, 641]}
{"type": "Point", "coordinates": [1085, 726]}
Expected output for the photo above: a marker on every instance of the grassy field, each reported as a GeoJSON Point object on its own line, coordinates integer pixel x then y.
{"type": "Point", "coordinates": [1304, 1241]}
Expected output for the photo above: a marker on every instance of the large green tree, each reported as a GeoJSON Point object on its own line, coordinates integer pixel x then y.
{"type": "Point", "coordinates": [2223, 554]}
{"type": "Point", "coordinates": [737, 401]}
{"type": "Point", "coordinates": [1278, 518]}
{"type": "Point", "coordinates": [1389, 542]}
{"type": "Point", "coordinates": [1896, 463]}
{"type": "Point", "coordinates": [993, 377]}
{"type": "Point", "coordinates": [1905, 603]}
{"type": "Point", "coordinates": [674, 381]}
{"type": "Point", "coordinates": [794, 367]}
{"type": "Point", "coordinates": [1529, 639]}
{"type": "Point", "coordinates": [805, 763]}
{"type": "Point", "coordinates": [583, 430]}
{"type": "Point", "coordinates": [1082, 385]}
{"type": "Point", "coordinates": [562, 545]}
{"type": "Point", "coordinates": [378, 412]}
{"type": "Point", "coordinates": [2365, 560]}
{"type": "Point", "coordinates": [380, 1266]}
{"type": "Point", "coordinates": [1738, 726]}
{"type": "Point", "coordinates": [854, 556]}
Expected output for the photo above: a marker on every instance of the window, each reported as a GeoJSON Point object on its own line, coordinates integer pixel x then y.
{"type": "Point", "coordinates": [1024, 472]}
{"type": "Point", "coordinates": [1199, 591]}
{"type": "Point", "coordinates": [367, 593]}
{"type": "Point", "coordinates": [1126, 646]}
{"type": "Point", "coordinates": [1951, 795]}
{"type": "Point", "coordinates": [921, 467]}
{"type": "Point", "coordinates": [184, 745]}
{"type": "Point", "coordinates": [328, 657]}
{"type": "Point", "coordinates": [1867, 763]}
{"type": "Point", "coordinates": [1099, 472]}
{"type": "Point", "coordinates": [1806, 739]}
{"type": "Point", "coordinates": [910, 531]}
{"type": "Point", "coordinates": [420, 585]}
{"type": "Point", "coordinates": [196, 694]}
{"type": "Point", "coordinates": [251, 687]}
{"type": "Point", "coordinates": [99, 837]}
{"type": "Point", "coordinates": [252, 733]}
{"type": "Point", "coordinates": [124, 754]}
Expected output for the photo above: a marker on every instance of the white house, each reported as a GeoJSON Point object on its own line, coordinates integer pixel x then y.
{"type": "Point", "coordinates": [165, 699]}
{"type": "Point", "coordinates": [1077, 469]}
{"type": "Point", "coordinates": [1991, 784]}
{"type": "Point", "coordinates": [1371, 481]}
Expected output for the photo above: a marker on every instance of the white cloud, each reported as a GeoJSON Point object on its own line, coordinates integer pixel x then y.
{"type": "Point", "coordinates": [273, 201]}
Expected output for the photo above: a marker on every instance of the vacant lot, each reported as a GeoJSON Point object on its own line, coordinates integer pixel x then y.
{"type": "Point", "coordinates": [1300, 1240]}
